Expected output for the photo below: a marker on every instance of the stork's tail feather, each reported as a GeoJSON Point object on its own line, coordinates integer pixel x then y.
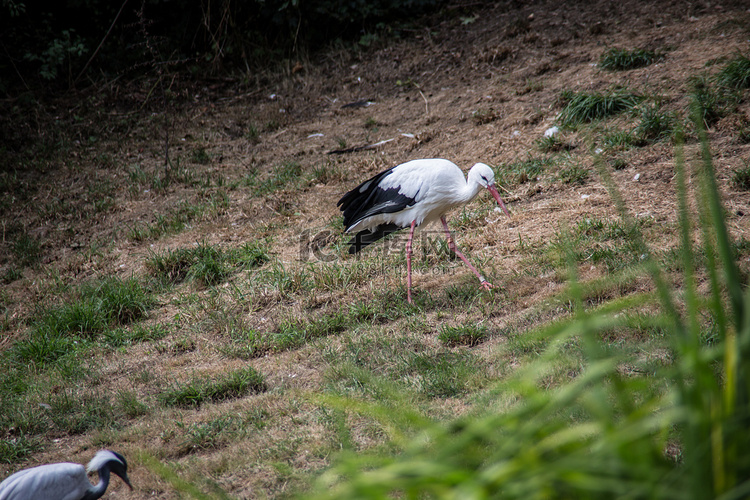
{"type": "Point", "coordinates": [366, 237]}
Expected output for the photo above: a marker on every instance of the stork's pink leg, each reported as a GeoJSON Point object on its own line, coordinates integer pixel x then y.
{"type": "Point", "coordinates": [408, 261]}
{"type": "Point", "coordinates": [485, 284]}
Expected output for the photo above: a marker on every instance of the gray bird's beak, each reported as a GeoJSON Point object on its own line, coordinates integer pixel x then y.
{"type": "Point", "coordinates": [126, 480]}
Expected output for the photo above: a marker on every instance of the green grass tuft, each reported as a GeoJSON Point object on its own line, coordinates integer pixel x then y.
{"type": "Point", "coordinates": [442, 374]}
{"type": "Point", "coordinates": [574, 174]}
{"type": "Point", "coordinates": [468, 335]}
{"type": "Point", "coordinates": [93, 308]}
{"type": "Point", "coordinates": [736, 74]}
{"type": "Point", "coordinates": [210, 265]}
{"type": "Point", "coordinates": [127, 403]}
{"type": "Point", "coordinates": [200, 155]}
{"type": "Point", "coordinates": [198, 391]}
{"type": "Point", "coordinates": [175, 220]}
{"type": "Point", "coordinates": [281, 176]}
{"type": "Point", "coordinates": [295, 333]}
{"type": "Point", "coordinates": [622, 59]}
{"type": "Point", "coordinates": [137, 333]}
{"type": "Point", "coordinates": [19, 447]}
{"type": "Point", "coordinates": [71, 413]}
{"type": "Point", "coordinates": [170, 265]}
{"type": "Point", "coordinates": [217, 432]}
{"type": "Point", "coordinates": [710, 104]}
{"type": "Point", "coordinates": [204, 263]}
{"type": "Point", "coordinates": [619, 139]}
{"type": "Point", "coordinates": [27, 250]}
{"type": "Point", "coordinates": [583, 107]}
{"type": "Point", "coordinates": [741, 178]}
{"type": "Point", "coordinates": [655, 124]}
{"type": "Point", "coordinates": [522, 171]}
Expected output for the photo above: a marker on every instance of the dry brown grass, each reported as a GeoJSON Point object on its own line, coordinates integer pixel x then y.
{"type": "Point", "coordinates": [460, 69]}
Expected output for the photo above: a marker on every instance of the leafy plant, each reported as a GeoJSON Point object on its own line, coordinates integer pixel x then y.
{"type": "Point", "coordinates": [58, 52]}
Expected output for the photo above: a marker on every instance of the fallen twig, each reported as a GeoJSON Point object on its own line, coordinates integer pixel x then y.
{"type": "Point", "coordinates": [358, 148]}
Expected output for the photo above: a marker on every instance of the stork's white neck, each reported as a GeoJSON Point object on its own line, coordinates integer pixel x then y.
{"type": "Point", "coordinates": [470, 191]}
{"type": "Point", "coordinates": [472, 187]}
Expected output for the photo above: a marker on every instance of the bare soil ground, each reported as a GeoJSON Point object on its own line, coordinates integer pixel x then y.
{"type": "Point", "coordinates": [479, 84]}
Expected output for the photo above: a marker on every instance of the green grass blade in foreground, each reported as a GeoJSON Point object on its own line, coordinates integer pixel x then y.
{"type": "Point", "coordinates": [725, 410]}
{"type": "Point", "coordinates": [712, 199]}
{"type": "Point", "coordinates": [526, 452]}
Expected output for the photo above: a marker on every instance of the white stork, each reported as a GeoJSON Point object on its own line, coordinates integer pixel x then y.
{"type": "Point", "coordinates": [413, 194]}
{"type": "Point", "coordinates": [65, 481]}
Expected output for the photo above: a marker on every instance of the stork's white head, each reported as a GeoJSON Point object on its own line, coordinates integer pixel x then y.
{"type": "Point", "coordinates": [484, 176]}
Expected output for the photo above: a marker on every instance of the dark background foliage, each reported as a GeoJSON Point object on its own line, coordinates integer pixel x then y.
{"type": "Point", "coordinates": [64, 44]}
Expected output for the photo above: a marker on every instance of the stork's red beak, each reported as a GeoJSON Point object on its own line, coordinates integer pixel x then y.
{"type": "Point", "coordinates": [499, 200]}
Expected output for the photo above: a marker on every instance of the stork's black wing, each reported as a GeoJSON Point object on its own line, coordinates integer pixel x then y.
{"type": "Point", "coordinates": [369, 198]}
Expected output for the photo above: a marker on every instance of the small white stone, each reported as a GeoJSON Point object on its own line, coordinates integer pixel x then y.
{"type": "Point", "coordinates": [551, 132]}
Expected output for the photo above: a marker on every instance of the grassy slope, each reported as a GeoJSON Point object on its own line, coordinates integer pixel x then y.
{"type": "Point", "coordinates": [227, 339]}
